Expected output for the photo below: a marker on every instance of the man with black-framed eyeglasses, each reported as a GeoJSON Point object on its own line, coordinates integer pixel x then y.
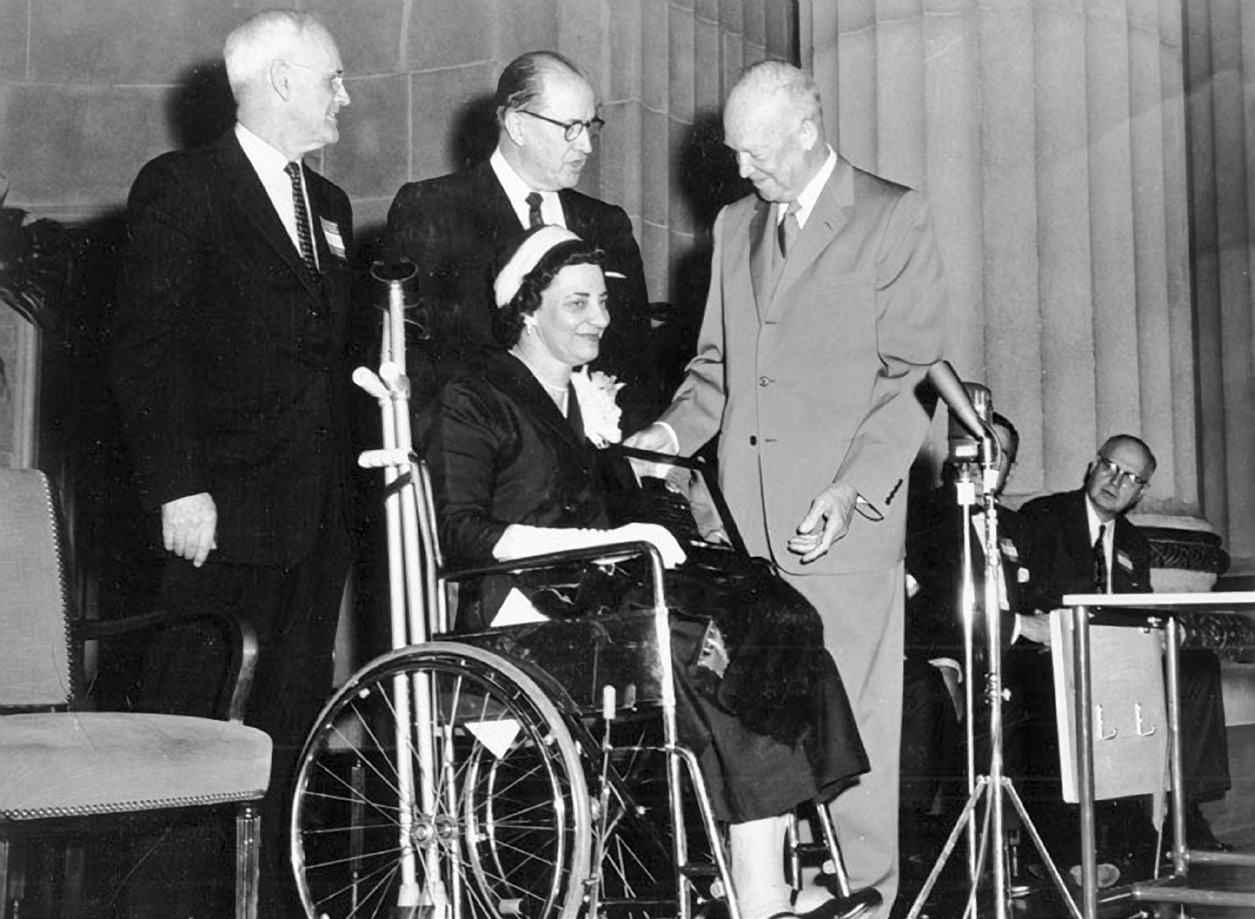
{"type": "Point", "coordinates": [452, 228]}
{"type": "Point", "coordinates": [1082, 542]}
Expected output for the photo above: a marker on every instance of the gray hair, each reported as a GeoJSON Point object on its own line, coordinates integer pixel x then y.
{"type": "Point", "coordinates": [258, 40]}
{"type": "Point", "coordinates": [776, 77]}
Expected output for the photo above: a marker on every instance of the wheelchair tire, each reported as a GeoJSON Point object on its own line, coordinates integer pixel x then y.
{"type": "Point", "coordinates": [506, 827]}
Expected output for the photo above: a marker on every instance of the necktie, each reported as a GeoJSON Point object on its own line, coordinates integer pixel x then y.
{"type": "Point", "coordinates": [1100, 562]}
{"type": "Point", "coordinates": [303, 232]}
{"type": "Point", "coordinates": [534, 219]}
{"type": "Point", "coordinates": [789, 228]}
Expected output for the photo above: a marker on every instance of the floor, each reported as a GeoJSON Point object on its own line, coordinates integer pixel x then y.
{"type": "Point", "coordinates": [950, 894]}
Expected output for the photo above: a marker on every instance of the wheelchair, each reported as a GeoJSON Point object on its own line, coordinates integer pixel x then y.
{"type": "Point", "coordinates": [531, 770]}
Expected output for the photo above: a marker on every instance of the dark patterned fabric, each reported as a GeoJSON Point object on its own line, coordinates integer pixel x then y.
{"type": "Point", "coordinates": [534, 218]}
{"type": "Point", "coordinates": [303, 232]}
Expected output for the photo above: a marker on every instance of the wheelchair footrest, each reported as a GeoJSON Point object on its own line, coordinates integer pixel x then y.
{"type": "Point", "coordinates": [858, 903]}
{"type": "Point", "coordinates": [703, 870]}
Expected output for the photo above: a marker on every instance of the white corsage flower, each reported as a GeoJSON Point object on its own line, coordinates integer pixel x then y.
{"type": "Point", "coordinates": [597, 392]}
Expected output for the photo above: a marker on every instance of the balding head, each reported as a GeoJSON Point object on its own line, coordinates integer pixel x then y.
{"type": "Point", "coordinates": [774, 123]}
{"type": "Point", "coordinates": [1119, 475]}
{"type": "Point", "coordinates": [541, 97]}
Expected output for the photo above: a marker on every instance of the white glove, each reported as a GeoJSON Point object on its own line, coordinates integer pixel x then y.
{"type": "Point", "coordinates": [520, 541]}
{"type": "Point", "coordinates": [656, 534]}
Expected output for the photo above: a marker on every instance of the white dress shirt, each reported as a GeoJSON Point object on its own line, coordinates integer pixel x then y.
{"type": "Point", "coordinates": [517, 191]}
{"type": "Point", "coordinates": [269, 164]}
{"type": "Point", "coordinates": [1108, 539]}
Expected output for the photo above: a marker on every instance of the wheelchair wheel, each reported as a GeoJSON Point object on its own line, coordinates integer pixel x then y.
{"type": "Point", "coordinates": [498, 820]}
{"type": "Point", "coordinates": [635, 858]}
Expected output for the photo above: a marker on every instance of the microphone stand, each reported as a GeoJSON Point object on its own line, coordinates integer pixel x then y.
{"type": "Point", "coordinates": [992, 786]}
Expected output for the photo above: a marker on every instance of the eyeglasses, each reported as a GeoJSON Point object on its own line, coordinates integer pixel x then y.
{"type": "Point", "coordinates": [571, 130]}
{"type": "Point", "coordinates": [335, 77]}
{"type": "Point", "coordinates": [1118, 474]}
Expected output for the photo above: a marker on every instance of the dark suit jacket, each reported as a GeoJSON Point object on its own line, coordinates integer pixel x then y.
{"type": "Point", "coordinates": [453, 228]}
{"type": "Point", "coordinates": [500, 452]}
{"type": "Point", "coordinates": [1059, 552]}
{"type": "Point", "coordinates": [934, 557]}
{"type": "Point", "coordinates": [227, 351]}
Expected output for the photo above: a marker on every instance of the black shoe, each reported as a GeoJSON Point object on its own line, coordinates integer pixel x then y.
{"type": "Point", "coordinates": [1198, 834]}
{"type": "Point", "coordinates": [858, 903]}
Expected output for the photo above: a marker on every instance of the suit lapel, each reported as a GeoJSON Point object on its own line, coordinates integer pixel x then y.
{"type": "Point", "coordinates": [762, 256]}
{"type": "Point", "coordinates": [497, 211]}
{"type": "Point", "coordinates": [1122, 577]}
{"type": "Point", "coordinates": [825, 221]}
{"type": "Point", "coordinates": [577, 220]}
{"type": "Point", "coordinates": [1078, 547]}
{"type": "Point", "coordinates": [511, 376]}
{"type": "Point", "coordinates": [249, 196]}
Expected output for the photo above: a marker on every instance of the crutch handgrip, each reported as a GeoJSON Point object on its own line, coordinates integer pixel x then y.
{"type": "Point", "coordinates": [377, 459]}
{"type": "Point", "coordinates": [394, 377]}
{"type": "Point", "coordinates": [368, 380]}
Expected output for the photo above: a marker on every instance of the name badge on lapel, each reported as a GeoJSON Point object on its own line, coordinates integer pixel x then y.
{"type": "Point", "coordinates": [1123, 560]}
{"type": "Point", "coordinates": [335, 242]}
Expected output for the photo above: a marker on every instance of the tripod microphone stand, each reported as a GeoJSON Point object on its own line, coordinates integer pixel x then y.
{"type": "Point", "coordinates": [994, 788]}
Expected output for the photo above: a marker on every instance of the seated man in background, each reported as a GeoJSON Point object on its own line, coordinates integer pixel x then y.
{"type": "Point", "coordinates": [1082, 542]}
{"type": "Point", "coordinates": [452, 226]}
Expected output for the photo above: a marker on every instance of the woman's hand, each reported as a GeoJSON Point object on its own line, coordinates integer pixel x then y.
{"type": "Point", "coordinates": [655, 534]}
{"type": "Point", "coordinates": [520, 541]}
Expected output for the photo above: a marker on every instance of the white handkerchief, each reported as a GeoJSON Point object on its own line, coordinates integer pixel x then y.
{"type": "Point", "coordinates": [516, 610]}
{"type": "Point", "coordinates": [497, 736]}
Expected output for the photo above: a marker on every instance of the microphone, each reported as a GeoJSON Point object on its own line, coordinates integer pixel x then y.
{"type": "Point", "coordinates": [969, 404]}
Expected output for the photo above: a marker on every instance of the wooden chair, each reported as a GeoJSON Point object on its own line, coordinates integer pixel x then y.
{"type": "Point", "coordinates": [64, 767]}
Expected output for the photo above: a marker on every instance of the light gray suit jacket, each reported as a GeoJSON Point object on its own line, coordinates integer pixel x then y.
{"type": "Point", "coordinates": [809, 372]}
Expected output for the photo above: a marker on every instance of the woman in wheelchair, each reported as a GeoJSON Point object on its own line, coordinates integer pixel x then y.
{"type": "Point", "coordinates": [511, 443]}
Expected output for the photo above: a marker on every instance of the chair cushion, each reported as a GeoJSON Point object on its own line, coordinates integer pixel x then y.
{"type": "Point", "coordinates": [65, 764]}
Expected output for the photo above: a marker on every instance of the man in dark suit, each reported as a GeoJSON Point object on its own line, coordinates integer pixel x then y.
{"type": "Point", "coordinates": [931, 748]}
{"type": "Point", "coordinates": [453, 227]}
{"type": "Point", "coordinates": [1082, 542]}
{"type": "Point", "coordinates": [228, 365]}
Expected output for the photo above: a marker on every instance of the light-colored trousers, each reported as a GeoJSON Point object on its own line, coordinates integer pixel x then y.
{"type": "Point", "coordinates": [863, 617]}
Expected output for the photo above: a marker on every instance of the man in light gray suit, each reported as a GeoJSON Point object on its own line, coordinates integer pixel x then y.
{"type": "Point", "coordinates": [826, 307]}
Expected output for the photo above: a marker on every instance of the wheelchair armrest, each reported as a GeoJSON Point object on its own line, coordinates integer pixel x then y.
{"type": "Point", "coordinates": [551, 559]}
{"type": "Point", "coordinates": [243, 640]}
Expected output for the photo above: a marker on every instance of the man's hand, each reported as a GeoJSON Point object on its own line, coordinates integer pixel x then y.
{"type": "Point", "coordinates": [189, 526]}
{"type": "Point", "coordinates": [827, 521]}
{"type": "Point", "coordinates": [1034, 628]}
{"type": "Point", "coordinates": [656, 437]}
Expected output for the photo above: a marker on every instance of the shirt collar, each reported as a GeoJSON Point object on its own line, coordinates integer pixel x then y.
{"type": "Point", "coordinates": [517, 191]}
{"type": "Point", "coordinates": [1091, 516]}
{"type": "Point", "coordinates": [264, 157]}
{"type": "Point", "coordinates": [810, 194]}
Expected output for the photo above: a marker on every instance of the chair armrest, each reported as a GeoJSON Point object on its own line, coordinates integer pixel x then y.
{"type": "Point", "coordinates": [550, 559]}
{"type": "Point", "coordinates": [243, 640]}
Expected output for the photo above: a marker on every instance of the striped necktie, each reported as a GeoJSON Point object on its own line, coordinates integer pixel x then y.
{"type": "Point", "coordinates": [789, 228]}
{"type": "Point", "coordinates": [303, 232]}
{"type": "Point", "coordinates": [1100, 561]}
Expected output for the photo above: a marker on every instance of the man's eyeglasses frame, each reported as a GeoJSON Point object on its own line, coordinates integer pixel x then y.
{"type": "Point", "coordinates": [1122, 477]}
{"type": "Point", "coordinates": [571, 130]}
